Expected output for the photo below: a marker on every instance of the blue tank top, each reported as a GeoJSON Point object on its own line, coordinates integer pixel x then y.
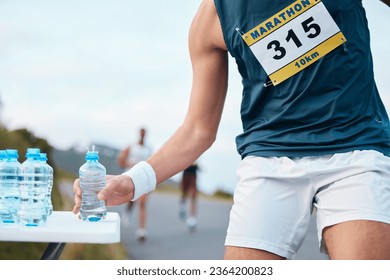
{"type": "Point", "coordinates": [329, 107]}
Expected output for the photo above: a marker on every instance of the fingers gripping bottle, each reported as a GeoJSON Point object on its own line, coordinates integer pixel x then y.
{"type": "Point", "coordinates": [92, 179]}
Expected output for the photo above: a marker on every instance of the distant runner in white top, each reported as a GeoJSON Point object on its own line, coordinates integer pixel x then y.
{"type": "Point", "coordinates": [128, 157]}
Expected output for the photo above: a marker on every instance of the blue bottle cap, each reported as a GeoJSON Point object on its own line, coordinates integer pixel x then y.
{"type": "Point", "coordinates": [43, 156]}
{"type": "Point", "coordinates": [12, 153]}
{"type": "Point", "coordinates": [92, 155]}
{"type": "Point", "coordinates": [33, 152]}
{"type": "Point", "coordinates": [3, 154]}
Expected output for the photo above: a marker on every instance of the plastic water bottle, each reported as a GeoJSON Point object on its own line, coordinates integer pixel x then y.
{"type": "Point", "coordinates": [2, 159]}
{"type": "Point", "coordinates": [9, 187]}
{"type": "Point", "coordinates": [92, 179]}
{"type": "Point", "coordinates": [32, 210]}
{"type": "Point", "coordinates": [48, 181]}
{"type": "Point", "coordinates": [3, 156]}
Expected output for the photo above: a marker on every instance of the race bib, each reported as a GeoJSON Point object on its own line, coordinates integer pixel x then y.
{"type": "Point", "coordinates": [294, 38]}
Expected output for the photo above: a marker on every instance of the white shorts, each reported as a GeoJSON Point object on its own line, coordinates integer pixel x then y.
{"type": "Point", "coordinates": [275, 196]}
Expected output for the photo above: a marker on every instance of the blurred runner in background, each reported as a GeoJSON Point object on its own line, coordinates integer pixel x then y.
{"type": "Point", "coordinates": [128, 157]}
{"type": "Point", "coordinates": [189, 189]}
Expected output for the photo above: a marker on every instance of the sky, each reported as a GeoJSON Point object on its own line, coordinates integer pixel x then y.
{"type": "Point", "coordinates": [80, 72]}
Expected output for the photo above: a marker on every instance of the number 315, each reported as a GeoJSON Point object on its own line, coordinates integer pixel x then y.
{"type": "Point", "coordinates": [308, 26]}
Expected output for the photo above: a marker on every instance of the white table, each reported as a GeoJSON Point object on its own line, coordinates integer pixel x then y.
{"type": "Point", "coordinates": [64, 227]}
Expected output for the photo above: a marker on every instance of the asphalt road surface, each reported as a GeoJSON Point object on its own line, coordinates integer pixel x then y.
{"type": "Point", "coordinates": [168, 237]}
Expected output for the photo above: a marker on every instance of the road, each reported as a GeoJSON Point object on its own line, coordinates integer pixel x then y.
{"type": "Point", "coordinates": [169, 239]}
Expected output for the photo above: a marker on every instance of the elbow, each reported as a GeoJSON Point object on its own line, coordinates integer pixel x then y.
{"type": "Point", "coordinates": [208, 140]}
{"type": "Point", "coordinates": [205, 137]}
{"type": "Point", "coordinates": [200, 132]}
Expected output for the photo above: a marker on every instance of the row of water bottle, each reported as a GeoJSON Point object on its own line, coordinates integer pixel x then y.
{"type": "Point", "coordinates": [25, 188]}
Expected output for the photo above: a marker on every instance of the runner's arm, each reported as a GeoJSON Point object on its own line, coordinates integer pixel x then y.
{"type": "Point", "coordinates": [199, 129]}
{"type": "Point", "coordinates": [210, 70]}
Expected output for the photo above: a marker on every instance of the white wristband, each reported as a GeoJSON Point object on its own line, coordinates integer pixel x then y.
{"type": "Point", "coordinates": [143, 177]}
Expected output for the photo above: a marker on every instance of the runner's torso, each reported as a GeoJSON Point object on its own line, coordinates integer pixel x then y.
{"type": "Point", "coordinates": [330, 106]}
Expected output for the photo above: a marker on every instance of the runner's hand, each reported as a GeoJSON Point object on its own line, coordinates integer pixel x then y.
{"type": "Point", "coordinates": [118, 190]}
